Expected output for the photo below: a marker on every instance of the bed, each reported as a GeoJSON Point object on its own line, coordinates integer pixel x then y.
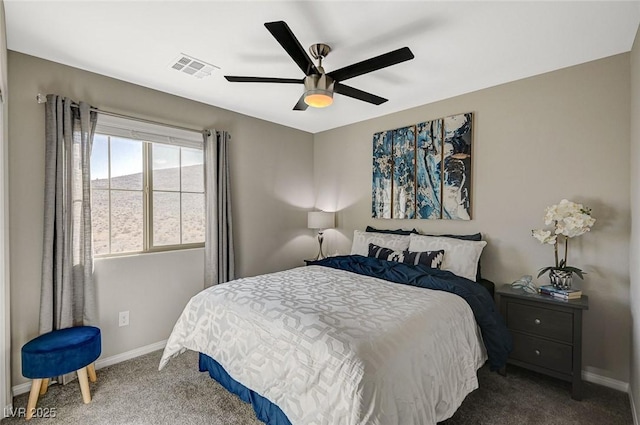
{"type": "Point", "coordinates": [347, 340]}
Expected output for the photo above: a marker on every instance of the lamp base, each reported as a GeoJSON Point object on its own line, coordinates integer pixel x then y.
{"type": "Point", "coordinates": [320, 255]}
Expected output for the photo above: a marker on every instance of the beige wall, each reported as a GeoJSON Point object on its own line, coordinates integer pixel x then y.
{"type": "Point", "coordinates": [272, 187]}
{"type": "Point", "coordinates": [559, 135]}
{"type": "Point", "coordinates": [635, 225]}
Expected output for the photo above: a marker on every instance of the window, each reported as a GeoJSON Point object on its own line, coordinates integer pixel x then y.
{"type": "Point", "coordinates": [147, 189]}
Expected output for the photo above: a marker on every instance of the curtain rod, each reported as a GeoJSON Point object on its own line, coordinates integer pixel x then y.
{"type": "Point", "coordinates": [43, 99]}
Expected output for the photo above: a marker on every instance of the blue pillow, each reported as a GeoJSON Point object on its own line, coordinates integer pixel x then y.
{"type": "Point", "coordinates": [395, 232]}
{"type": "Point", "coordinates": [473, 237]}
{"type": "Point", "coordinates": [431, 259]}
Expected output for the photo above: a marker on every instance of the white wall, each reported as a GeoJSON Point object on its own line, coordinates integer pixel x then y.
{"type": "Point", "coordinates": [271, 190]}
{"type": "Point", "coordinates": [564, 134]}
{"type": "Point", "coordinates": [634, 252]}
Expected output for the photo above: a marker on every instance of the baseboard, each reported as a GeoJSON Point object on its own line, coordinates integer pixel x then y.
{"type": "Point", "coordinates": [21, 388]}
{"type": "Point", "coordinates": [633, 407]}
{"type": "Point", "coordinates": [594, 378]}
{"type": "Point", "coordinates": [107, 361]}
{"type": "Point", "coordinates": [128, 355]}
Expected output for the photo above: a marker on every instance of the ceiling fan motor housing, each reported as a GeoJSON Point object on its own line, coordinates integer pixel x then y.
{"type": "Point", "coordinates": [318, 81]}
{"type": "Point", "coordinates": [318, 89]}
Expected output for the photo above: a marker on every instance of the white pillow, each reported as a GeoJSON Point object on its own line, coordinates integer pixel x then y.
{"type": "Point", "coordinates": [461, 256]}
{"type": "Point", "coordinates": [361, 241]}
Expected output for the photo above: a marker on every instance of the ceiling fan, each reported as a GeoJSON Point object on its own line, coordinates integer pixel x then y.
{"type": "Point", "coordinates": [319, 86]}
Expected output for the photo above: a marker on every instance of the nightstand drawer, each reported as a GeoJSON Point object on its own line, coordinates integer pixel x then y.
{"type": "Point", "coordinates": [542, 352]}
{"type": "Point", "coordinates": [540, 321]}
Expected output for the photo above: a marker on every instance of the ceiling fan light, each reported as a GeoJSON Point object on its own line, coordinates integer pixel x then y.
{"type": "Point", "coordinates": [318, 98]}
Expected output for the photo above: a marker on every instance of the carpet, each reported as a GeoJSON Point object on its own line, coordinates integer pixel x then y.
{"type": "Point", "coordinates": [135, 393]}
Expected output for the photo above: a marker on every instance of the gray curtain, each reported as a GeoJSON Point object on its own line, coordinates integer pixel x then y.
{"type": "Point", "coordinates": [219, 255]}
{"type": "Point", "coordinates": [67, 297]}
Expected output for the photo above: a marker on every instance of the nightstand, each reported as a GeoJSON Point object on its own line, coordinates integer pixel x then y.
{"type": "Point", "coordinates": [547, 334]}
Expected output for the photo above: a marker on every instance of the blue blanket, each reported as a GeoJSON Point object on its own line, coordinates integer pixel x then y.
{"type": "Point", "coordinates": [495, 335]}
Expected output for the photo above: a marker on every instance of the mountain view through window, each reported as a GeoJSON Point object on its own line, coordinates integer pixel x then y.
{"type": "Point", "coordinates": [145, 196]}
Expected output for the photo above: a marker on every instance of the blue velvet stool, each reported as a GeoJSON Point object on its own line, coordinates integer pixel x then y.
{"type": "Point", "coordinates": [57, 353]}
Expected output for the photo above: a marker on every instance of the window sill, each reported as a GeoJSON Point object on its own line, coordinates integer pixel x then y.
{"type": "Point", "coordinates": [145, 253]}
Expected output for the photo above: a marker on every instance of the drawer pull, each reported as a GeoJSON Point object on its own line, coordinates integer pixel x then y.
{"type": "Point", "coordinates": [537, 352]}
{"type": "Point", "coordinates": [537, 321]}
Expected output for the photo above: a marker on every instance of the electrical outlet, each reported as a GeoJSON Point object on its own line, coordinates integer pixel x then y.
{"type": "Point", "coordinates": [123, 318]}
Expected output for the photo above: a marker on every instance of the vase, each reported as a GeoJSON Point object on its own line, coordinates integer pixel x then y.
{"type": "Point", "coordinates": [561, 279]}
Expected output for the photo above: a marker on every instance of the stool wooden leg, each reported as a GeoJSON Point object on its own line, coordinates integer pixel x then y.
{"type": "Point", "coordinates": [84, 385]}
{"type": "Point", "coordinates": [91, 370]}
{"type": "Point", "coordinates": [45, 386]}
{"type": "Point", "coordinates": [33, 398]}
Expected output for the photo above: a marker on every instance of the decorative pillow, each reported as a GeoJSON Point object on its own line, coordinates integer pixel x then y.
{"type": "Point", "coordinates": [395, 232]}
{"type": "Point", "coordinates": [361, 241]}
{"type": "Point", "coordinates": [473, 237]}
{"type": "Point", "coordinates": [462, 256]}
{"type": "Point", "coordinates": [431, 259]}
{"type": "Point", "coordinates": [376, 251]}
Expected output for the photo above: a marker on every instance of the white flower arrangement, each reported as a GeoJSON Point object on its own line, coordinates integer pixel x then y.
{"type": "Point", "coordinates": [569, 220]}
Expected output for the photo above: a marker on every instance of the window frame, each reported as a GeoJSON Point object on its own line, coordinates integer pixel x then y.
{"type": "Point", "coordinates": [148, 195]}
{"type": "Point", "coordinates": [135, 128]}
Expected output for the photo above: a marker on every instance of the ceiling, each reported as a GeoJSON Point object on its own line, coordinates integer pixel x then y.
{"type": "Point", "coordinates": [459, 47]}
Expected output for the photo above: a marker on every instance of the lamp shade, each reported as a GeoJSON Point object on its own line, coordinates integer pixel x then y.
{"type": "Point", "coordinates": [318, 90]}
{"type": "Point", "coordinates": [318, 98]}
{"type": "Point", "coordinates": [321, 220]}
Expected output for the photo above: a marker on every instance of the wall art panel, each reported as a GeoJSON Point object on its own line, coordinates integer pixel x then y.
{"type": "Point", "coordinates": [456, 181]}
{"type": "Point", "coordinates": [428, 167]}
{"type": "Point", "coordinates": [404, 173]}
{"type": "Point", "coordinates": [382, 168]}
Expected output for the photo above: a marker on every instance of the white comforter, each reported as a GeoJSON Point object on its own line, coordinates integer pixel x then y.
{"type": "Point", "coordinates": [333, 347]}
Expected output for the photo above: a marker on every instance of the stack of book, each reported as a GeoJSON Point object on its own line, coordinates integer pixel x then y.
{"type": "Point", "coordinates": [565, 294]}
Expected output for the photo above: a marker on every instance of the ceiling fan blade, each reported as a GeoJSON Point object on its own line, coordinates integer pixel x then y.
{"type": "Point", "coordinates": [358, 94]}
{"type": "Point", "coordinates": [373, 64]}
{"type": "Point", "coordinates": [301, 106]}
{"type": "Point", "coordinates": [235, 79]}
{"type": "Point", "coordinates": [281, 31]}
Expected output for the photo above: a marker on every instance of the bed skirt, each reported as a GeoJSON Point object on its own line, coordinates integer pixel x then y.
{"type": "Point", "coordinates": [265, 410]}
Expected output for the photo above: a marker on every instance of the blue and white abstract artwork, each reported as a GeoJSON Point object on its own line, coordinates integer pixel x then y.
{"type": "Point", "coordinates": [456, 167]}
{"type": "Point", "coordinates": [424, 171]}
{"type": "Point", "coordinates": [428, 170]}
{"type": "Point", "coordinates": [404, 173]}
{"type": "Point", "coordinates": [382, 168]}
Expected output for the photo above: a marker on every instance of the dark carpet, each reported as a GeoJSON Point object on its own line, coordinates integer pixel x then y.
{"type": "Point", "coordinates": [525, 397]}
{"type": "Point", "coordinates": [134, 392]}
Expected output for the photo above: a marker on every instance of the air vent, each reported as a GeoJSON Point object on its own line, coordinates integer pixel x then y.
{"type": "Point", "coordinates": [192, 66]}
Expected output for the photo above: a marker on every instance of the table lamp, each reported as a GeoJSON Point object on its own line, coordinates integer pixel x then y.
{"type": "Point", "coordinates": [321, 221]}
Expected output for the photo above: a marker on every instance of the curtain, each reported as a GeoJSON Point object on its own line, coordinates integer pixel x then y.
{"type": "Point", "coordinates": [219, 254]}
{"type": "Point", "coordinates": [67, 297]}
